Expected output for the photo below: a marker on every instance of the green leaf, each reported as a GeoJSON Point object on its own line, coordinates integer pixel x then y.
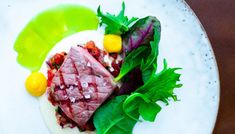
{"type": "Point", "coordinates": [145, 56]}
{"type": "Point", "coordinates": [149, 110]}
{"type": "Point", "coordinates": [132, 103]}
{"type": "Point", "coordinates": [115, 24]}
{"type": "Point", "coordinates": [147, 74]}
{"type": "Point", "coordinates": [140, 34]}
{"type": "Point", "coordinates": [152, 57]}
{"type": "Point", "coordinates": [133, 60]}
{"type": "Point", "coordinates": [110, 118]}
{"type": "Point", "coordinates": [124, 111]}
{"type": "Point", "coordinates": [161, 85]}
{"type": "Point", "coordinates": [141, 56]}
{"type": "Point", "coordinates": [149, 65]}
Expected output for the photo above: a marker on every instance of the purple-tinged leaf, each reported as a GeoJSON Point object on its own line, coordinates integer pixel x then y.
{"type": "Point", "coordinates": [141, 33]}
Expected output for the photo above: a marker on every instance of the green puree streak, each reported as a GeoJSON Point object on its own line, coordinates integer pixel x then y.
{"type": "Point", "coordinates": [47, 28]}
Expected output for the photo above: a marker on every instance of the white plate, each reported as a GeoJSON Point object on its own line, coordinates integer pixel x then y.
{"type": "Point", "coordinates": [184, 43]}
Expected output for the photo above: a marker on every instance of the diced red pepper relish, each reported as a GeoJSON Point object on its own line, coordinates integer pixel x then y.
{"type": "Point", "coordinates": [50, 75]}
{"type": "Point", "coordinates": [96, 52]}
{"type": "Point", "coordinates": [57, 60]}
{"type": "Point", "coordinates": [92, 49]}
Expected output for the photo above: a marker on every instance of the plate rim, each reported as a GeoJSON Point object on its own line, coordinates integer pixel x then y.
{"type": "Point", "coordinates": [190, 10]}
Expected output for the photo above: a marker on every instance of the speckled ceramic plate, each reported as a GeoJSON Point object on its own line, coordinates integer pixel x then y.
{"type": "Point", "coordinates": [184, 43]}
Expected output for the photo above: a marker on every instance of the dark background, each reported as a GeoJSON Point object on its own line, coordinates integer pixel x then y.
{"type": "Point", "coordinates": [218, 18]}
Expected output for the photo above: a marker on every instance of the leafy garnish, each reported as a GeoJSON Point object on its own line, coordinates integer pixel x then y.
{"type": "Point", "coordinates": [161, 85]}
{"type": "Point", "coordinates": [141, 48]}
{"type": "Point", "coordinates": [149, 64]}
{"type": "Point", "coordinates": [147, 109]}
{"type": "Point", "coordinates": [124, 111]}
{"type": "Point", "coordinates": [144, 56]}
{"type": "Point", "coordinates": [149, 72]}
{"type": "Point", "coordinates": [115, 24]}
{"type": "Point", "coordinates": [152, 57]}
{"type": "Point", "coordinates": [141, 33]}
{"type": "Point", "coordinates": [131, 82]}
{"type": "Point", "coordinates": [131, 78]}
{"type": "Point", "coordinates": [110, 118]}
{"type": "Point", "coordinates": [133, 60]}
{"type": "Point", "coordinates": [158, 88]}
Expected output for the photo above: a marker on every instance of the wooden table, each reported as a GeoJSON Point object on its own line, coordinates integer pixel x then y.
{"type": "Point", "coordinates": [218, 18]}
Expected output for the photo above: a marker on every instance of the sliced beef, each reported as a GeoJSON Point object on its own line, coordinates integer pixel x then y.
{"type": "Point", "coordinates": [81, 85]}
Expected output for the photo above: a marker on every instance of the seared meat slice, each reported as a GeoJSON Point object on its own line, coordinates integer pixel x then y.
{"type": "Point", "coordinates": [81, 85]}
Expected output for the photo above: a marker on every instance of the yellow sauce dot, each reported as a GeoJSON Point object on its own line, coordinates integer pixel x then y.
{"type": "Point", "coordinates": [112, 43]}
{"type": "Point", "coordinates": [36, 84]}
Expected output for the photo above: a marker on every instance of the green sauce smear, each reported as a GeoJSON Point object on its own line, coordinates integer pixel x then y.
{"type": "Point", "coordinates": [42, 33]}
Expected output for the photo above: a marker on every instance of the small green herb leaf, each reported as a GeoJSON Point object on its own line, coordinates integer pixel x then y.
{"type": "Point", "coordinates": [115, 24]}
{"type": "Point", "coordinates": [161, 85]}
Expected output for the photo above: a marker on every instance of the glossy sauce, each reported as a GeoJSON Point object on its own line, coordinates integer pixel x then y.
{"type": "Point", "coordinates": [47, 28]}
